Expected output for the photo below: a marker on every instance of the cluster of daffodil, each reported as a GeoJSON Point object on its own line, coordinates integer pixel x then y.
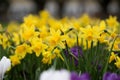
{"type": "Point", "coordinates": [46, 36]}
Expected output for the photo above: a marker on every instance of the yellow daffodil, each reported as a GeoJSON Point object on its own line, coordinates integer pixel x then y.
{"type": "Point", "coordinates": [90, 33]}
{"type": "Point", "coordinates": [28, 33]}
{"type": "Point", "coordinates": [70, 41]}
{"type": "Point", "coordinates": [116, 45]}
{"type": "Point", "coordinates": [117, 63]}
{"type": "Point", "coordinates": [38, 46]}
{"type": "Point", "coordinates": [54, 24]}
{"type": "Point", "coordinates": [22, 50]}
{"type": "Point", "coordinates": [102, 25]}
{"type": "Point", "coordinates": [57, 53]}
{"type": "Point", "coordinates": [112, 57]}
{"type": "Point", "coordinates": [112, 22]}
{"type": "Point", "coordinates": [13, 27]}
{"type": "Point", "coordinates": [85, 20]}
{"type": "Point", "coordinates": [0, 39]}
{"type": "Point", "coordinates": [5, 41]}
{"type": "Point", "coordinates": [46, 36]}
{"type": "Point", "coordinates": [44, 14]}
{"type": "Point", "coordinates": [55, 37]}
{"type": "Point", "coordinates": [47, 57]}
{"type": "Point", "coordinates": [44, 32]}
{"type": "Point", "coordinates": [15, 60]}
{"type": "Point", "coordinates": [30, 20]}
{"type": "Point", "coordinates": [16, 38]}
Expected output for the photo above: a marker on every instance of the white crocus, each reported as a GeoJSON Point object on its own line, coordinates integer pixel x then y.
{"type": "Point", "coordinates": [52, 74]}
{"type": "Point", "coordinates": [5, 64]}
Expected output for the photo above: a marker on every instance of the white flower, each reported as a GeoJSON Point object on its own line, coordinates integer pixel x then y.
{"type": "Point", "coordinates": [5, 64]}
{"type": "Point", "coordinates": [52, 74]}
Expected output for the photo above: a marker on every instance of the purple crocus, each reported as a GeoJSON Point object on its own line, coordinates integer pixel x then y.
{"type": "Point", "coordinates": [74, 76]}
{"type": "Point", "coordinates": [84, 76]}
{"type": "Point", "coordinates": [76, 50]}
{"type": "Point", "coordinates": [111, 76]}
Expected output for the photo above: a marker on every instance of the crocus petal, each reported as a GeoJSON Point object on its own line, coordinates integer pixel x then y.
{"type": "Point", "coordinates": [55, 75]}
{"type": "Point", "coordinates": [61, 75]}
{"type": "Point", "coordinates": [46, 74]}
{"type": "Point", "coordinates": [4, 66]}
{"type": "Point", "coordinates": [74, 76]}
{"type": "Point", "coordinates": [75, 50]}
{"type": "Point", "coordinates": [106, 75]}
{"type": "Point", "coordinates": [118, 78]}
{"type": "Point", "coordinates": [84, 76]}
{"type": "Point", "coordinates": [110, 76]}
{"type": "Point", "coordinates": [6, 62]}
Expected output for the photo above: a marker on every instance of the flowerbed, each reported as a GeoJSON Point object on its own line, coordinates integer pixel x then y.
{"type": "Point", "coordinates": [75, 49]}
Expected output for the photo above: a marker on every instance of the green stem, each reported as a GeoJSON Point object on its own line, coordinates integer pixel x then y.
{"type": "Point", "coordinates": [55, 63]}
{"type": "Point", "coordinates": [65, 59]}
{"type": "Point", "coordinates": [73, 55]}
{"type": "Point", "coordinates": [106, 65]}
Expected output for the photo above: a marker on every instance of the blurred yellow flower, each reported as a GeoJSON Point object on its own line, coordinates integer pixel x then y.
{"type": "Point", "coordinates": [44, 14]}
{"type": "Point", "coordinates": [15, 60]}
{"type": "Point", "coordinates": [112, 22]}
{"type": "Point", "coordinates": [58, 54]}
{"type": "Point", "coordinates": [46, 36]}
{"type": "Point", "coordinates": [55, 37]}
{"type": "Point", "coordinates": [30, 20]}
{"type": "Point", "coordinates": [22, 50]}
{"type": "Point", "coordinates": [102, 25]}
{"type": "Point", "coordinates": [16, 38]}
{"type": "Point", "coordinates": [5, 41]}
{"type": "Point", "coordinates": [116, 46]}
{"type": "Point", "coordinates": [13, 27]}
{"type": "Point", "coordinates": [85, 20]}
{"type": "Point", "coordinates": [38, 46]}
{"type": "Point", "coordinates": [112, 57]}
{"type": "Point", "coordinates": [47, 57]}
{"type": "Point", "coordinates": [28, 33]}
{"type": "Point", "coordinates": [90, 33]}
{"type": "Point", "coordinates": [43, 32]}
{"type": "Point", "coordinates": [0, 39]}
{"type": "Point", "coordinates": [117, 63]}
